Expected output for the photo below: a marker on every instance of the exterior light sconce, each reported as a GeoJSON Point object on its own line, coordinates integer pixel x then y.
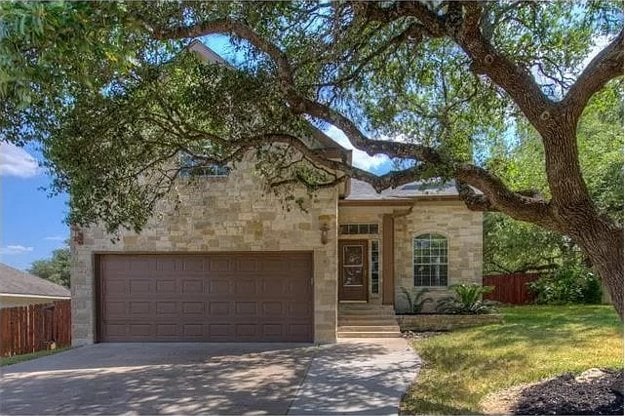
{"type": "Point", "coordinates": [324, 233]}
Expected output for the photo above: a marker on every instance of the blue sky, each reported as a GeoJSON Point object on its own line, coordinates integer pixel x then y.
{"type": "Point", "coordinates": [33, 223]}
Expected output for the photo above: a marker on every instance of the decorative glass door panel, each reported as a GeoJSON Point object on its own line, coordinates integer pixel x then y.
{"type": "Point", "coordinates": [353, 270]}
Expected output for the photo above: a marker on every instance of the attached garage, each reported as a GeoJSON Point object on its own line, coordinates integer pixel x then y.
{"type": "Point", "coordinates": [216, 297]}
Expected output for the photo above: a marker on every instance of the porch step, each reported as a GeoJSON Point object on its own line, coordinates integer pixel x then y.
{"type": "Point", "coordinates": [342, 321]}
{"type": "Point", "coordinates": [357, 320]}
{"type": "Point", "coordinates": [369, 310]}
{"type": "Point", "coordinates": [368, 328]}
{"type": "Point", "coordinates": [377, 334]}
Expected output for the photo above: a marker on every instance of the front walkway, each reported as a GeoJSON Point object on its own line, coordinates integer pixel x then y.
{"type": "Point", "coordinates": [367, 376]}
{"type": "Point", "coordinates": [357, 376]}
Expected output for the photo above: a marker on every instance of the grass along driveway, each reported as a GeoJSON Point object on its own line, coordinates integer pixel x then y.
{"type": "Point", "coordinates": [535, 342]}
{"type": "Point", "coordinates": [4, 361]}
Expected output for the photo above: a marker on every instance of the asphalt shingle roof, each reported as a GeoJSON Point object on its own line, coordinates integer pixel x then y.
{"type": "Point", "coordinates": [362, 191]}
{"type": "Point", "coordinates": [17, 282]}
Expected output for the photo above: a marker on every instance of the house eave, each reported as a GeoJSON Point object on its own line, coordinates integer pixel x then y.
{"type": "Point", "coordinates": [396, 202]}
{"type": "Point", "coordinates": [30, 295]}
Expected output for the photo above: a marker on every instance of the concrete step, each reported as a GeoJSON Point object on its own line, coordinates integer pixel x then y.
{"type": "Point", "coordinates": [368, 328]}
{"type": "Point", "coordinates": [372, 317]}
{"type": "Point", "coordinates": [365, 307]}
{"type": "Point", "coordinates": [376, 334]}
{"type": "Point", "coordinates": [366, 311]}
{"type": "Point", "coordinates": [342, 323]}
{"type": "Point", "coordinates": [367, 316]}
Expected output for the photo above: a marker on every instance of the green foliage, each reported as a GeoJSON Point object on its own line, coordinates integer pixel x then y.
{"type": "Point", "coordinates": [112, 104]}
{"type": "Point", "coordinates": [511, 245]}
{"type": "Point", "coordinates": [55, 269]}
{"type": "Point", "coordinates": [467, 300]}
{"type": "Point", "coordinates": [416, 299]}
{"type": "Point", "coordinates": [569, 284]}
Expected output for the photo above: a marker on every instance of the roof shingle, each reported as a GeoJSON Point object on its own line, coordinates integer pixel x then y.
{"type": "Point", "coordinates": [362, 191]}
{"type": "Point", "coordinates": [17, 282]}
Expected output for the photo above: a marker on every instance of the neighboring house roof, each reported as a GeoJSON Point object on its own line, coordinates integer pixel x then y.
{"type": "Point", "coordinates": [362, 191]}
{"type": "Point", "coordinates": [19, 283]}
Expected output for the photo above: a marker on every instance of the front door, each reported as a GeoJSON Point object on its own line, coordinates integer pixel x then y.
{"type": "Point", "coordinates": [353, 270]}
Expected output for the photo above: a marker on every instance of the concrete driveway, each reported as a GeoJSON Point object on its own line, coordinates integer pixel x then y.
{"type": "Point", "coordinates": [365, 377]}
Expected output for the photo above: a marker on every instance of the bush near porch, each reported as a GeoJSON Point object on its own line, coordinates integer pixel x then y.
{"type": "Point", "coordinates": [535, 342]}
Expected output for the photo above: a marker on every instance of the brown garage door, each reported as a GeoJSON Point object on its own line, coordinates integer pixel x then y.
{"type": "Point", "coordinates": [210, 297]}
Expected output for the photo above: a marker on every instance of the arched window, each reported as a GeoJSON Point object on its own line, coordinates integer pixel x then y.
{"type": "Point", "coordinates": [430, 260]}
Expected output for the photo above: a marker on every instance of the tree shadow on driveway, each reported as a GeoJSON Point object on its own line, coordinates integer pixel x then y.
{"type": "Point", "coordinates": [186, 379]}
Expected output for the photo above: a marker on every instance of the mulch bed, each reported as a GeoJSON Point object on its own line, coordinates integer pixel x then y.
{"type": "Point", "coordinates": [594, 392]}
{"type": "Point", "coordinates": [412, 335]}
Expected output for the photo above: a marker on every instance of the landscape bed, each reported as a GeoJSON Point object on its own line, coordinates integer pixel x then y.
{"type": "Point", "coordinates": [445, 322]}
{"type": "Point", "coordinates": [534, 343]}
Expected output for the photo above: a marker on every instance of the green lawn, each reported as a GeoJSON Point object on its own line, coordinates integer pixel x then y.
{"type": "Point", "coordinates": [534, 342]}
{"type": "Point", "coordinates": [25, 357]}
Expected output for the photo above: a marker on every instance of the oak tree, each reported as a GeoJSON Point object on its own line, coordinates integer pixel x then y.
{"type": "Point", "coordinates": [434, 85]}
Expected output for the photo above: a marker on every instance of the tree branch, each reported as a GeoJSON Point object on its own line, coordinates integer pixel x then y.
{"type": "Point", "coordinates": [498, 197]}
{"type": "Point", "coordinates": [607, 65]}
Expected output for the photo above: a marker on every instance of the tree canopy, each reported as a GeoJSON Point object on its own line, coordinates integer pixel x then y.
{"type": "Point", "coordinates": [435, 85]}
{"type": "Point", "coordinates": [55, 269]}
{"type": "Point", "coordinates": [511, 245]}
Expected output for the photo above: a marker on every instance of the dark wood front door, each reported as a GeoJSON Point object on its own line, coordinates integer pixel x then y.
{"type": "Point", "coordinates": [353, 270]}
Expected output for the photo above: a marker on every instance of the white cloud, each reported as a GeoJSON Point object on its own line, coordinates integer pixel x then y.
{"type": "Point", "coordinates": [15, 161]}
{"type": "Point", "coordinates": [360, 159]}
{"type": "Point", "coordinates": [55, 238]}
{"type": "Point", "coordinates": [12, 249]}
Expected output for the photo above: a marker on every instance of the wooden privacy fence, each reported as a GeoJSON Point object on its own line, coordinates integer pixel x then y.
{"type": "Point", "coordinates": [510, 288]}
{"type": "Point", "coordinates": [26, 329]}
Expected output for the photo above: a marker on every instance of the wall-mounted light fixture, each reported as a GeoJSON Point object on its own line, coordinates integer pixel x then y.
{"type": "Point", "coordinates": [324, 233]}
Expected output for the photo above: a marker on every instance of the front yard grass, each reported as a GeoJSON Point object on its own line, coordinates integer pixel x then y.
{"type": "Point", "coordinates": [535, 342]}
{"type": "Point", "coordinates": [4, 361]}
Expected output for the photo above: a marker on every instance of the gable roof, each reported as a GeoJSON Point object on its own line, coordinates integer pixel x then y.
{"type": "Point", "coordinates": [17, 282]}
{"type": "Point", "coordinates": [362, 191]}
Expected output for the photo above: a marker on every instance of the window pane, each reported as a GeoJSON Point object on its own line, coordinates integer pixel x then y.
{"type": "Point", "coordinates": [430, 260]}
{"type": "Point", "coordinates": [375, 267]}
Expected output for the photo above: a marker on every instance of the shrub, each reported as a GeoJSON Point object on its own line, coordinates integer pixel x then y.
{"type": "Point", "coordinates": [569, 284]}
{"type": "Point", "coordinates": [467, 300]}
{"type": "Point", "coordinates": [416, 299]}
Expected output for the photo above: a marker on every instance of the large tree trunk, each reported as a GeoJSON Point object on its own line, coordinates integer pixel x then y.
{"type": "Point", "coordinates": [604, 248]}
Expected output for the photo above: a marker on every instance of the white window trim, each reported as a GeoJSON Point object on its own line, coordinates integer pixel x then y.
{"type": "Point", "coordinates": [412, 241]}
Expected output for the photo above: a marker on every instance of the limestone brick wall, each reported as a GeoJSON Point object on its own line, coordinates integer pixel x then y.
{"type": "Point", "coordinates": [234, 213]}
{"type": "Point", "coordinates": [463, 229]}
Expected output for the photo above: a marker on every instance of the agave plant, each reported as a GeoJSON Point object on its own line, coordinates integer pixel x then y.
{"type": "Point", "coordinates": [416, 299]}
{"type": "Point", "coordinates": [467, 300]}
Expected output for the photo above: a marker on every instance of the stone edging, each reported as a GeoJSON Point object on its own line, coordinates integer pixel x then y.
{"type": "Point", "coordinates": [442, 322]}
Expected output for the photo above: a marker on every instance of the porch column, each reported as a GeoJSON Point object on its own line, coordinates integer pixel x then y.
{"type": "Point", "coordinates": [388, 260]}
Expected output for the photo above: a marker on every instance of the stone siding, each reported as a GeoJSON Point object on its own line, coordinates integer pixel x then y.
{"type": "Point", "coordinates": [234, 213]}
{"type": "Point", "coordinates": [463, 229]}
{"type": "Point", "coordinates": [435, 322]}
